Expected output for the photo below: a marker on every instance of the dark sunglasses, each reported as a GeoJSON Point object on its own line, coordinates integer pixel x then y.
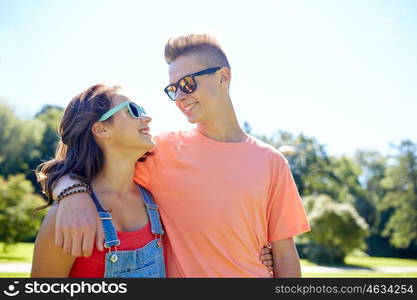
{"type": "Point", "coordinates": [187, 83]}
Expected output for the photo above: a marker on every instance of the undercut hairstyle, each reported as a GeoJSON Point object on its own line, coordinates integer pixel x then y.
{"type": "Point", "coordinates": [205, 46]}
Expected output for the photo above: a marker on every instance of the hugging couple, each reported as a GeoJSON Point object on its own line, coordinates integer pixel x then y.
{"type": "Point", "coordinates": [212, 201]}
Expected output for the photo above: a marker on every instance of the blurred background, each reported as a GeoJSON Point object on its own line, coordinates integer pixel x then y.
{"type": "Point", "coordinates": [332, 84]}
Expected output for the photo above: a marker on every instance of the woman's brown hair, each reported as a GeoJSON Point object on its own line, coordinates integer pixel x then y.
{"type": "Point", "coordinates": [77, 152]}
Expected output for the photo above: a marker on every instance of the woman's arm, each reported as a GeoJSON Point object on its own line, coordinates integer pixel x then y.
{"type": "Point", "coordinates": [49, 260]}
{"type": "Point", "coordinates": [286, 260]}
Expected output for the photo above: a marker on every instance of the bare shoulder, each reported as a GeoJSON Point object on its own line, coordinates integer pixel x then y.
{"type": "Point", "coordinates": [47, 229]}
{"type": "Point", "coordinates": [48, 259]}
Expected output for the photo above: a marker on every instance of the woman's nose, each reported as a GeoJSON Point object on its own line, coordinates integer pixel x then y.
{"type": "Point", "coordinates": [146, 118]}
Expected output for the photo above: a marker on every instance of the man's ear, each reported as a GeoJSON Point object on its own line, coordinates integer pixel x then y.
{"type": "Point", "coordinates": [100, 130]}
{"type": "Point", "coordinates": [225, 76]}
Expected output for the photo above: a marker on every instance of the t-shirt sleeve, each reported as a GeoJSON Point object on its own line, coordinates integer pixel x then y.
{"type": "Point", "coordinates": [142, 174]}
{"type": "Point", "coordinates": [145, 169]}
{"type": "Point", "coordinates": [286, 214]}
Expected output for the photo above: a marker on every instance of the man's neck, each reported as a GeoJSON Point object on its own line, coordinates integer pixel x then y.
{"type": "Point", "coordinates": [223, 127]}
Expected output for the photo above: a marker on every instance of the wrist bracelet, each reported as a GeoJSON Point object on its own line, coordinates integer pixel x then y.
{"type": "Point", "coordinates": [75, 185]}
{"type": "Point", "coordinates": [63, 195]}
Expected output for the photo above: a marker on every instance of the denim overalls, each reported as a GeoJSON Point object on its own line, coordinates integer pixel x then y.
{"type": "Point", "coordinates": [144, 262]}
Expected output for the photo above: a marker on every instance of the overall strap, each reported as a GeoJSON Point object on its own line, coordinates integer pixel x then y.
{"type": "Point", "coordinates": [152, 209]}
{"type": "Point", "coordinates": [110, 235]}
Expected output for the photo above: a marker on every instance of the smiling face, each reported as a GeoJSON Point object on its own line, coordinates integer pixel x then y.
{"type": "Point", "coordinates": [126, 132]}
{"type": "Point", "coordinates": [206, 100]}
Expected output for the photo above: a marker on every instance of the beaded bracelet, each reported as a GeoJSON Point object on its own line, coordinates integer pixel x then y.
{"type": "Point", "coordinates": [75, 185]}
{"type": "Point", "coordinates": [63, 195]}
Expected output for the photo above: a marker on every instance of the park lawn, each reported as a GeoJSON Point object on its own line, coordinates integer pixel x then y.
{"type": "Point", "coordinates": [370, 262]}
{"type": "Point", "coordinates": [21, 252]}
{"type": "Point", "coordinates": [14, 275]}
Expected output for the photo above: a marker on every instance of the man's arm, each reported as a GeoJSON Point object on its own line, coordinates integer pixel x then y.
{"type": "Point", "coordinates": [77, 222]}
{"type": "Point", "coordinates": [286, 260]}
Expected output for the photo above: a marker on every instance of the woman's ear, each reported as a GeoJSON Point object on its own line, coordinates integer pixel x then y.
{"type": "Point", "coordinates": [100, 130]}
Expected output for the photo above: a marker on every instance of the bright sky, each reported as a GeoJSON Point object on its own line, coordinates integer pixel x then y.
{"type": "Point", "coordinates": [344, 72]}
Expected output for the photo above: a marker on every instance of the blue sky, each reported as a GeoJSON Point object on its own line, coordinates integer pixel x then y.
{"type": "Point", "coordinates": [344, 72]}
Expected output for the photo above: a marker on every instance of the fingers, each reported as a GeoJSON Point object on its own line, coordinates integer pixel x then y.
{"type": "Point", "coordinates": [59, 237]}
{"type": "Point", "coordinates": [67, 246]}
{"type": "Point", "coordinates": [87, 245]}
{"type": "Point", "coordinates": [266, 250]}
{"type": "Point", "coordinates": [92, 235]}
{"type": "Point", "coordinates": [266, 254]}
{"type": "Point", "coordinates": [99, 235]}
{"type": "Point", "coordinates": [267, 260]}
{"type": "Point", "coordinates": [76, 245]}
{"type": "Point", "coordinates": [76, 224]}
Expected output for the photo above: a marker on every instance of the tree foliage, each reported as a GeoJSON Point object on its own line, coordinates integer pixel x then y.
{"type": "Point", "coordinates": [17, 202]}
{"type": "Point", "coordinates": [401, 196]}
{"type": "Point", "coordinates": [381, 189]}
{"type": "Point", "coordinates": [337, 229]}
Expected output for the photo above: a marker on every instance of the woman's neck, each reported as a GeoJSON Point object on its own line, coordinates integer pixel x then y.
{"type": "Point", "coordinates": [116, 176]}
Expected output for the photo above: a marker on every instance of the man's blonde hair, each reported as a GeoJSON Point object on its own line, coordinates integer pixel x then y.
{"type": "Point", "coordinates": [205, 46]}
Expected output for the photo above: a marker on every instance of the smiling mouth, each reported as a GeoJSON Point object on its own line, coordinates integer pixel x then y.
{"type": "Point", "coordinates": [145, 131]}
{"type": "Point", "coordinates": [189, 107]}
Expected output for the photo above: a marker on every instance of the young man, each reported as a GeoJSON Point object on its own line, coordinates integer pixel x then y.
{"type": "Point", "coordinates": [222, 194]}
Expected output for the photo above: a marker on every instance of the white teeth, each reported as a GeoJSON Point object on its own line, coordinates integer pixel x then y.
{"type": "Point", "coordinates": [144, 131]}
{"type": "Point", "coordinates": [189, 107]}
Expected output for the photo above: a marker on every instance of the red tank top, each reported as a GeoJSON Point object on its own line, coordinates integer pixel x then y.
{"type": "Point", "coordinates": [94, 265]}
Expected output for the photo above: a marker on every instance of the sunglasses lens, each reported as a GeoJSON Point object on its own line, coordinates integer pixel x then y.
{"type": "Point", "coordinates": [171, 91]}
{"type": "Point", "coordinates": [134, 110]}
{"type": "Point", "coordinates": [187, 85]}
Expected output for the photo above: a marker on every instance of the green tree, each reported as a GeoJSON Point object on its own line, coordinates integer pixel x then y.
{"type": "Point", "coordinates": [401, 197]}
{"type": "Point", "coordinates": [337, 229]}
{"type": "Point", "coordinates": [19, 142]}
{"type": "Point", "coordinates": [17, 201]}
{"type": "Point", "coordinates": [373, 171]}
{"type": "Point", "coordinates": [50, 115]}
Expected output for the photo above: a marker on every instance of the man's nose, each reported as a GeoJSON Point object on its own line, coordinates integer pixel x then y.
{"type": "Point", "coordinates": [180, 96]}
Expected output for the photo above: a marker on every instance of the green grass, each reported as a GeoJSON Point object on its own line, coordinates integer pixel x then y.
{"type": "Point", "coordinates": [21, 252]}
{"type": "Point", "coordinates": [369, 262]}
{"type": "Point", "coordinates": [305, 262]}
{"type": "Point", "coordinates": [14, 275]}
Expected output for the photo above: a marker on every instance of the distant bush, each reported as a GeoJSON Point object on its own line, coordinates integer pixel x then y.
{"type": "Point", "coordinates": [337, 229]}
{"type": "Point", "coordinates": [17, 201]}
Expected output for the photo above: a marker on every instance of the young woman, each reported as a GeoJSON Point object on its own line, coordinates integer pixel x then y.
{"type": "Point", "coordinates": [103, 134]}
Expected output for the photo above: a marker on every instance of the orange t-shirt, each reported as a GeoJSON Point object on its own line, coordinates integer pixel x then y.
{"type": "Point", "coordinates": [220, 203]}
